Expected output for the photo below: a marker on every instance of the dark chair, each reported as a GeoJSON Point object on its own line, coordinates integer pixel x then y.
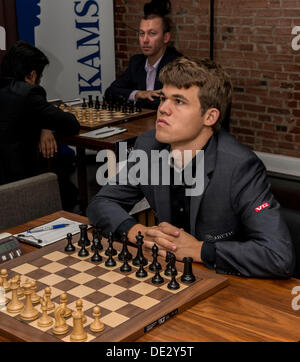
{"type": "Point", "coordinates": [292, 219]}
{"type": "Point", "coordinates": [28, 199]}
{"type": "Point", "coordinates": [286, 189]}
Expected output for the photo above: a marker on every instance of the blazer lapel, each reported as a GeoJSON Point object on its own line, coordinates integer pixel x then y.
{"type": "Point", "coordinates": [209, 165]}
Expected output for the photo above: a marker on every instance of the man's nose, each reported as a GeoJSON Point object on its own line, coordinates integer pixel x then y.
{"type": "Point", "coordinates": [146, 38]}
{"type": "Point", "coordinates": [164, 107]}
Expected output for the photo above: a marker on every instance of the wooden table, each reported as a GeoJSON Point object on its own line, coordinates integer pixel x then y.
{"type": "Point", "coordinates": [134, 128]}
{"type": "Point", "coordinates": [246, 310]}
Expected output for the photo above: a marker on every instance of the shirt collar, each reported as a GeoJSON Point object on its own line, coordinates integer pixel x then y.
{"type": "Point", "coordinates": [154, 66]}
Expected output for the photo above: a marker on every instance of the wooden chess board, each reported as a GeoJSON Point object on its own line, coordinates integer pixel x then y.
{"type": "Point", "coordinates": [90, 118]}
{"type": "Point", "coordinates": [130, 306]}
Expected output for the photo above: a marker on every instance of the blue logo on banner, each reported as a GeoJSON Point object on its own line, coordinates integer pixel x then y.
{"type": "Point", "coordinates": [27, 12]}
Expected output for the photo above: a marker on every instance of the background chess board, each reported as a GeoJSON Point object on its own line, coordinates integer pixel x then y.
{"type": "Point", "coordinates": [129, 305]}
{"type": "Point", "coordinates": [106, 117]}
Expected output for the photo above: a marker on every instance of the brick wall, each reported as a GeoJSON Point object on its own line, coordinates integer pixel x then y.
{"type": "Point", "coordinates": [253, 43]}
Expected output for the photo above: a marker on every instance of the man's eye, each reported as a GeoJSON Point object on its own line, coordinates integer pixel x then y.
{"type": "Point", "coordinates": [162, 99]}
{"type": "Point", "coordinates": [141, 34]}
{"type": "Point", "coordinates": [179, 101]}
{"type": "Point", "coordinates": [152, 33]}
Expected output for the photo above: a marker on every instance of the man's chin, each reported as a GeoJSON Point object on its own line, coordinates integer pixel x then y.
{"type": "Point", "coordinates": [161, 137]}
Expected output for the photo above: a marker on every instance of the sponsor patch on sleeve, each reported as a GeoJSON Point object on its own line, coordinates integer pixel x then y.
{"type": "Point", "coordinates": [262, 206]}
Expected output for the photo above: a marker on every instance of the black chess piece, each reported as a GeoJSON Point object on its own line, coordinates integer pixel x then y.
{"type": "Point", "coordinates": [173, 284]}
{"type": "Point", "coordinates": [90, 103]}
{"type": "Point", "coordinates": [138, 108]}
{"type": "Point", "coordinates": [97, 235]}
{"type": "Point", "coordinates": [110, 250]}
{"type": "Point", "coordinates": [125, 253]}
{"type": "Point", "coordinates": [110, 261]}
{"type": "Point", "coordinates": [84, 105]}
{"type": "Point", "coordinates": [83, 252]}
{"type": "Point", "coordinates": [141, 272]}
{"type": "Point", "coordinates": [125, 267]}
{"type": "Point", "coordinates": [168, 271]}
{"type": "Point", "coordinates": [188, 276]}
{"type": "Point", "coordinates": [69, 247]}
{"type": "Point", "coordinates": [97, 103]}
{"type": "Point", "coordinates": [84, 239]}
{"type": "Point", "coordinates": [155, 264]}
{"type": "Point", "coordinates": [157, 279]}
{"type": "Point", "coordinates": [139, 255]}
{"type": "Point", "coordinates": [96, 257]}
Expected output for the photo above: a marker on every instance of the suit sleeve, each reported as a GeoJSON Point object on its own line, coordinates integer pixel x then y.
{"type": "Point", "coordinates": [47, 116]}
{"type": "Point", "coordinates": [267, 249]}
{"type": "Point", "coordinates": [109, 209]}
{"type": "Point", "coordinates": [123, 85]}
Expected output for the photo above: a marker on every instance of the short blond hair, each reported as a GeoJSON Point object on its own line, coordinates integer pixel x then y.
{"type": "Point", "coordinates": [215, 87]}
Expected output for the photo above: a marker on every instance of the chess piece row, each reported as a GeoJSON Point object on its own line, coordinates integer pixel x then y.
{"type": "Point", "coordinates": [125, 256]}
{"type": "Point", "coordinates": [29, 313]}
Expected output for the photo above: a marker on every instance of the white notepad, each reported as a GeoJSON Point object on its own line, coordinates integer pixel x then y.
{"type": "Point", "coordinates": [103, 132]}
{"type": "Point", "coordinates": [50, 236]}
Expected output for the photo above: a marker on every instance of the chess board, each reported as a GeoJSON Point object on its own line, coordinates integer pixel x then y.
{"type": "Point", "coordinates": [90, 118]}
{"type": "Point", "coordinates": [130, 306]}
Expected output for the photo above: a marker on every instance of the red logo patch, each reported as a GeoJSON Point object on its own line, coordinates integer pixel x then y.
{"type": "Point", "coordinates": [262, 206]}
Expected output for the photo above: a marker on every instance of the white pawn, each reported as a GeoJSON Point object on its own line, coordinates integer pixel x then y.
{"type": "Point", "coordinates": [97, 325]}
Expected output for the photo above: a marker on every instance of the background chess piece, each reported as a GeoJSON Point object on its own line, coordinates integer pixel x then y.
{"type": "Point", "coordinates": [60, 326]}
{"type": "Point", "coordinates": [44, 320]}
{"type": "Point", "coordinates": [97, 325]}
{"type": "Point", "coordinates": [29, 313]}
{"type": "Point", "coordinates": [4, 283]}
{"type": "Point", "coordinates": [50, 304]}
{"type": "Point", "coordinates": [15, 305]}
{"type": "Point", "coordinates": [78, 334]}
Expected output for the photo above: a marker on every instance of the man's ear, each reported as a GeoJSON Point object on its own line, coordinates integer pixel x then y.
{"type": "Point", "coordinates": [167, 37]}
{"type": "Point", "coordinates": [31, 77]}
{"type": "Point", "coordinates": [211, 116]}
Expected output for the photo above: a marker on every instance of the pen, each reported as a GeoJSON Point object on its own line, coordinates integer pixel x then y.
{"type": "Point", "coordinates": [45, 228]}
{"type": "Point", "coordinates": [112, 130]}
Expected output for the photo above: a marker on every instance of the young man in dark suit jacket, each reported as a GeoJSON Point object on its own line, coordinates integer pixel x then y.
{"type": "Point", "coordinates": [233, 225]}
{"type": "Point", "coordinates": [26, 118]}
{"type": "Point", "coordinates": [140, 82]}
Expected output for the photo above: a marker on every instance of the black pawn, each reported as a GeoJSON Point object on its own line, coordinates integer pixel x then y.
{"type": "Point", "coordinates": [97, 103]}
{"type": "Point", "coordinates": [139, 255]}
{"type": "Point", "coordinates": [91, 103]}
{"type": "Point", "coordinates": [188, 276]}
{"type": "Point", "coordinates": [84, 105]}
{"type": "Point", "coordinates": [96, 257]}
{"type": "Point", "coordinates": [157, 279]}
{"type": "Point", "coordinates": [173, 284]}
{"type": "Point", "coordinates": [168, 271]}
{"type": "Point", "coordinates": [83, 235]}
{"type": "Point", "coordinates": [110, 261]}
{"type": "Point", "coordinates": [83, 252]}
{"type": "Point", "coordinates": [155, 264]}
{"type": "Point", "coordinates": [141, 273]}
{"type": "Point", "coordinates": [97, 237]}
{"type": "Point", "coordinates": [110, 250]}
{"type": "Point", "coordinates": [124, 254]}
{"type": "Point", "coordinates": [125, 267]}
{"type": "Point", "coordinates": [69, 247]}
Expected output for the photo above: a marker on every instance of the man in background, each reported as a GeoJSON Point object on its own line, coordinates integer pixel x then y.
{"type": "Point", "coordinates": [140, 82]}
{"type": "Point", "coordinates": [27, 119]}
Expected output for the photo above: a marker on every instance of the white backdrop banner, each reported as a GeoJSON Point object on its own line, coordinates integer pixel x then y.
{"type": "Point", "coordinates": [78, 38]}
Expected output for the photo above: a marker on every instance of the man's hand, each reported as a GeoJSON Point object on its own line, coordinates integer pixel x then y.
{"type": "Point", "coordinates": [147, 94]}
{"type": "Point", "coordinates": [169, 237]}
{"type": "Point", "coordinates": [47, 144]}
